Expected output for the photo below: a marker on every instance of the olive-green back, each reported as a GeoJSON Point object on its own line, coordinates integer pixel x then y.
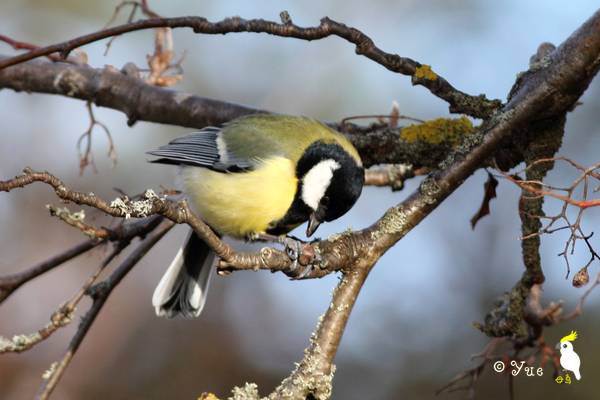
{"type": "Point", "coordinates": [260, 136]}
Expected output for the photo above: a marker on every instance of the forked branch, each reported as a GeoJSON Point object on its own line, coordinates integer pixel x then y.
{"type": "Point", "coordinates": [460, 102]}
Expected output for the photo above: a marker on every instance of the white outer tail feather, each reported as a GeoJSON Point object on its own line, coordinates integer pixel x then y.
{"type": "Point", "coordinates": [165, 285]}
{"type": "Point", "coordinates": [164, 290]}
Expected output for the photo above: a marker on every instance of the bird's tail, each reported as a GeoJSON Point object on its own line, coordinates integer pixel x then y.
{"type": "Point", "coordinates": [182, 289]}
{"type": "Point", "coordinates": [577, 374]}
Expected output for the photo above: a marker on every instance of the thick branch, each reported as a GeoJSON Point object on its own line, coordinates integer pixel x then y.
{"type": "Point", "coordinates": [314, 374]}
{"type": "Point", "coordinates": [114, 89]}
{"type": "Point", "coordinates": [109, 87]}
{"type": "Point", "coordinates": [548, 92]}
{"type": "Point", "coordinates": [476, 106]}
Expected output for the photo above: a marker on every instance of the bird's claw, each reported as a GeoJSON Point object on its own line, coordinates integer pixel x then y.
{"type": "Point", "coordinates": [293, 247]}
{"type": "Point", "coordinates": [302, 255]}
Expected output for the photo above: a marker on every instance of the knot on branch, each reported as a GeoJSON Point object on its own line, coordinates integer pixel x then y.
{"type": "Point", "coordinates": [285, 18]}
{"type": "Point", "coordinates": [325, 23]}
{"type": "Point", "coordinates": [506, 318]}
{"type": "Point", "coordinates": [70, 82]}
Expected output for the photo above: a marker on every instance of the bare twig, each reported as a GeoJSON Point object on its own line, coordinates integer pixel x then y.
{"type": "Point", "coordinates": [99, 294]}
{"type": "Point", "coordinates": [163, 71]}
{"type": "Point", "coordinates": [544, 93]}
{"type": "Point", "coordinates": [18, 45]}
{"type": "Point", "coordinates": [472, 375]}
{"type": "Point", "coordinates": [61, 317]}
{"type": "Point", "coordinates": [392, 175]}
{"type": "Point", "coordinates": [123, 233]}
{"type": "Point", "coordinates": [134, 6]}
{"type": "Point", "coordinates": [579, 308]}
{"type": "Point", "coordinates": [85, 156]}
{"type": "Point", "coordinates": [536, 189]}
{"type": "Point", "coordinates": [10, 283]}
{"type": "Point", "coordinates": [380, 117]}
{"type": "Point", "coordinates": [268, 258]}
{"type": "Point", "coordinates": [460, 102]}
{"type": "Point", "coordinates": [76, 220]}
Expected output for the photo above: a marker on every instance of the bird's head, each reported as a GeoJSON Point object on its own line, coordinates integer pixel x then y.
{"type": "Point", "coordinates": [565, 342]}
{"type": "Point", "coordinates": [331, 181]}
{"type": "Point", "coordinates": [565, 347]}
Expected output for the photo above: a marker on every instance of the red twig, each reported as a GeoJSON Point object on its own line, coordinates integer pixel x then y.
{"type": "Point", "coordinates": [18, 45]}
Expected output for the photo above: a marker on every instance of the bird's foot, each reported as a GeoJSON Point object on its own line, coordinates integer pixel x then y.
{"type": "Point", "coordinates": [301, 253]}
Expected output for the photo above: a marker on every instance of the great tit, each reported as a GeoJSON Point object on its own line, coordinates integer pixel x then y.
{"type": "Point", "coordinates": [258, 174]}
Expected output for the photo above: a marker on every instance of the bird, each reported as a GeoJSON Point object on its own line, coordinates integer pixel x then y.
{"type": "Point", "coordinates": [569, 360]}
{"type": "Point", "coordinates": [259, 175]}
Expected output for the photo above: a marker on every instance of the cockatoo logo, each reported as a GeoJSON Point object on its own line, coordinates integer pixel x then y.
{"type": "Point", "coordinates": [569, 360]}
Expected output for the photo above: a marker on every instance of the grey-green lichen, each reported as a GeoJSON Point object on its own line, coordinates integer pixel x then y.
{"type": "Point", "coordinates": [18, 343]}
{"type": "Point", "coordinates": [540, 140]}
{"type": "Point", "coordinates": [306, 379]}
{"type": "Point", "coordinates": [395, 220]}
{"type": "Point", "coordinates": [64, 212]}
{"type": "Point", "coordinates": [247, 392]}
{"type": "Point", "coordinates": [50, 371]}
{"type": "Point", "coordinates": [430, 190]}
{"type": "Point", "coordinates": [70, 82]}
{"type": "Point", "coordinates": [138, 208]}
{"type": "Point", "coordinates": [506, 318]}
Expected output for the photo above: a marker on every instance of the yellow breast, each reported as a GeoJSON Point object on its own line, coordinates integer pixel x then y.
{"type": "Point", "coordinates": [241, 203]}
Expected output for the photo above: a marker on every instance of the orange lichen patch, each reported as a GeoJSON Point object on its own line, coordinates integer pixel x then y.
{"type": "Point", "coordinates": [438, 130]}
{"type": "Point", "coordinates": [425, 72]}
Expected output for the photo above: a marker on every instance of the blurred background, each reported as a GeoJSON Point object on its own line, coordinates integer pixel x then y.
{"type": "Point", "coordinates": [411, 330]}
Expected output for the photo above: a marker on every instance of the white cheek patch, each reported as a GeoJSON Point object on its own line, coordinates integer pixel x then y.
{"type": "Point", "coordinates": [316, 181]}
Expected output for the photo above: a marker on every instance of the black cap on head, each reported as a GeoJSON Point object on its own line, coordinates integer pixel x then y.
{"type": "Point", "coordinates": [329, 182]}
{"type": "Point", "coordinates": [342, 185]}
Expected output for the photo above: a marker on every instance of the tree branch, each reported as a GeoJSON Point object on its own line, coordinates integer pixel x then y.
{"type": "Point", "coordinates": [314, 374]}
{"type": "Point", "coordinates": [123, 233]}
{"type": "Point", "coordinates": [548, 91]}
{"type": "Point", "coordinates": [10, 283]}
{"type": "Point", "coordinates": [460, 102]}
{"type": "Point", "coordinates": [99, 293]}
{"type": "Point", "coordinates": [59, 318]}
{"type": "Point", "coordinates": [420, 145]}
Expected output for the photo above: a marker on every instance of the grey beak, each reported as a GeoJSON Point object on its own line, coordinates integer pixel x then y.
{"type": "Point", "coordinates": [313, 224]}
{"type": "Point", "coordinates": [557, 347]}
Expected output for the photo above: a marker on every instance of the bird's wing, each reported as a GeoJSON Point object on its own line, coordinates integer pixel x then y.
{"type": "Point", "coordinates": [204, 148]}
{"type": "Point", "coordinates": [244, 143]}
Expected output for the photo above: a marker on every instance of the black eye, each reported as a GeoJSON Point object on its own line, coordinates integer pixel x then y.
{"type": "Point", "coordinates": [325, 201]}
{"type": "Point", "coordinates": [565, 345]}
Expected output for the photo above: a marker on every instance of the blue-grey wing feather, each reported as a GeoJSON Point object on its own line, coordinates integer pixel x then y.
{"type": "Point", "coordinates": [201, 149]}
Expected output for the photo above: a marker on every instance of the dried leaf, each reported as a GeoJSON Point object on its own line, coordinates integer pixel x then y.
{"type": "Point", "coordinates": [489, 192]}
{"type": "Point", "coordinates": [581, 278]}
